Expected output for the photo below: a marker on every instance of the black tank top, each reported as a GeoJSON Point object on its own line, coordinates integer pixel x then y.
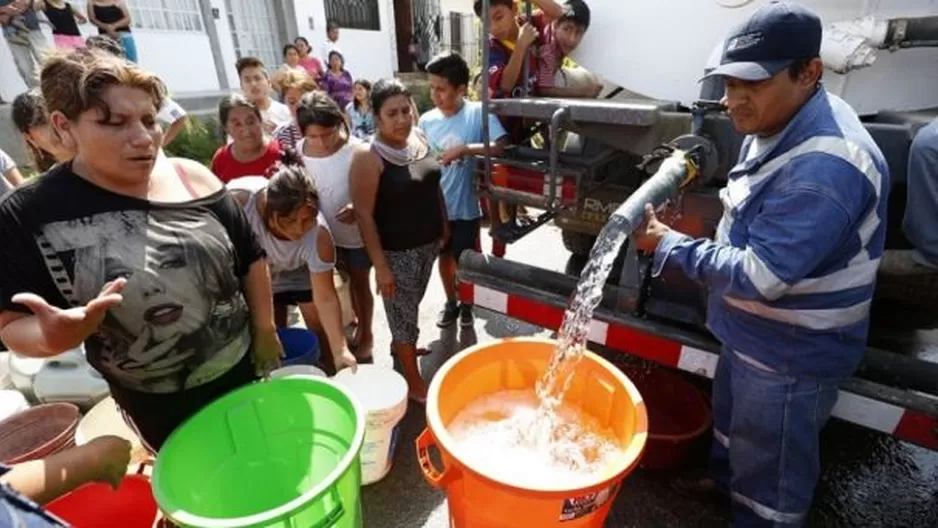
{"type": "Point", "coordinates": [109, 15]}
{"type": "Point", "coordinates": [408, 212]}
{"type": "Point", "coordinates": [62, 20]}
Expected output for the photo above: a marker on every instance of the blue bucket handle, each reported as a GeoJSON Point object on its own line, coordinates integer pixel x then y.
{"type": "Point", "coordinates": [335, 513]}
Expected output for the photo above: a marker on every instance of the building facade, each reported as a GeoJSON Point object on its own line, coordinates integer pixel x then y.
{"type": "Point", "coordinates": [193, 44]}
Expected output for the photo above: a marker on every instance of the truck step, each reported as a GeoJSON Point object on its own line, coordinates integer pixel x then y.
{"type": "Point", "coordinates": [513, 232]}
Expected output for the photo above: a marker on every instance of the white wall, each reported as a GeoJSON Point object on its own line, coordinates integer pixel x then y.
{"type": "Point", "coordinates": [182, 59]}
{"type": "Point", "coordinates": [456, 6]}
{"type": "Point", "coordinates": [368, 54]}
{"type": "Point", "coordinates": [226, 44]}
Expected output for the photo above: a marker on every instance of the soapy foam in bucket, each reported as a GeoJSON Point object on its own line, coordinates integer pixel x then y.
{"type": "Point", "coordinates": [508, 436]}
{"type": "Point", "coordinates": [382, 392]}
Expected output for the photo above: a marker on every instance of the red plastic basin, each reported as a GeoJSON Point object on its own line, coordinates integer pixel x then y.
{"type": "Point", "coordinates": [38, 432]}
{"type": "Point", "coordinates": [678, 416]}
{"type": "Point", "coordinates": [97, 505]}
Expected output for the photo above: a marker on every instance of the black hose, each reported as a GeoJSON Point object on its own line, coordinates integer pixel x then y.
{"type": "Point", "coordinates": [912, 33]}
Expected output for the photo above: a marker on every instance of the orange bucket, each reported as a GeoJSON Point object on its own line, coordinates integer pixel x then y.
{"type": "Point", "coordinates": [476, 499]}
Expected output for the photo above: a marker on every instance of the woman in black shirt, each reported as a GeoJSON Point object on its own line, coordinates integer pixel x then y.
{"type": "Point", "coordinates": [399, 205]}
{"type": "Point", "coordinates": [64, 19]}
{"type": "Point", "coordinates": [148, 261]}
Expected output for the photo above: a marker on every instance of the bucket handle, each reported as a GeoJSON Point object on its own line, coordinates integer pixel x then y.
{"type": "Point", "coordinates": [436, 478]}
{"type": "Point", "coordinates": [335, 513]}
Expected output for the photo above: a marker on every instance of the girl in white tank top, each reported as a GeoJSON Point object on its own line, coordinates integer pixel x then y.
{"type": "Point", "coordinates": [284, 215]}
{"type": "Point", "coordinates": [327, 148]}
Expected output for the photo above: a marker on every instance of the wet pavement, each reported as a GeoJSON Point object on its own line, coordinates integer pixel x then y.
{"type": "Point", "coordinates": [869, 479]}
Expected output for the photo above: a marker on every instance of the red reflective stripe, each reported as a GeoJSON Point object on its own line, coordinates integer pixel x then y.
{"type": "Point", "coordinates": [919, 429]}
{"type": "Point", "coordinates": [535, 312]}
{"type": "Point", "coordinates": [644, 345]}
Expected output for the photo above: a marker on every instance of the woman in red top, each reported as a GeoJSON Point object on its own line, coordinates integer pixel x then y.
{"type": "Point", "coordinates": [250, 152]}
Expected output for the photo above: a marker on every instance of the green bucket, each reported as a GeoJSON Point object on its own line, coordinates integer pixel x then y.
{"type": "Point", "coordinates": [279, 453]}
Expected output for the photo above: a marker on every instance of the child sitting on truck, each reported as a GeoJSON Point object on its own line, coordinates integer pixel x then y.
{"type": "Point", "coordinates": [559, 40]}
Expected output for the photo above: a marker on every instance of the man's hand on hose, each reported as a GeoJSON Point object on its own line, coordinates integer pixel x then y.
{"type": "Point", "coordinates": [651, 230]}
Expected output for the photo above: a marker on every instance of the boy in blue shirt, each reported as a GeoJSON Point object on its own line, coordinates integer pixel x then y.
{"type": "Point", "coordinates": [454, 132]}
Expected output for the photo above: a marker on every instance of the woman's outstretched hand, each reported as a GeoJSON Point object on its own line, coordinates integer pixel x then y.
{"type": "Point", "coordinates": [67, 329]}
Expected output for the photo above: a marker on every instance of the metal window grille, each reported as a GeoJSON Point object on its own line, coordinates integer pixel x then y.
{"type": "Point", "coordinates": [254, 31]}
{"type": "Point", "coordinates": [354, 14]}
{"type": "Point", "coordinates": [162, 15]}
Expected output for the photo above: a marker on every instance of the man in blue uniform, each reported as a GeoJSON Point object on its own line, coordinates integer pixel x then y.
{"type": "Point", "coordinates": [792, 269]}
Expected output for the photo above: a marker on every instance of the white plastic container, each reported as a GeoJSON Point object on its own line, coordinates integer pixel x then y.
{"type": "Point", "coordinates": [12, 402]}
{"type": "Point", "coordinates": [23, 372]}
{"type": "Point", "coordinates": [298, 370]}
{"type": "Point", "coordinates": [382, 392]}
{"type": "Point", "coordinates": [69, 378]}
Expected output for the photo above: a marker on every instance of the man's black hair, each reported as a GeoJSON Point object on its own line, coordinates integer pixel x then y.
{"type": "Point", "coordinates": [798, 67]}
{"type": "Point", "coordinates": [332, 24]}
{"type": "Point", "coordinates": [477, 6]}
{"type": "Point", "coordinates": [450, 66]}
{"type": "Point", "coordinates": [576, 11]}
{"type": "Point", "coordinates": [249, 62]}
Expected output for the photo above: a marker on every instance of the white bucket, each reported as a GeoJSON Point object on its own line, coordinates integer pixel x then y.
{"type": "Point", "coordinates": [69, 378]}
{"type": "Point", "coordinates": [298, 370]}
{"type": "Point", "coordinates": [382, 392]}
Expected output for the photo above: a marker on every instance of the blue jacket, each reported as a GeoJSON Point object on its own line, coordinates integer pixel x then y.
{"type": "Point", "coordinates": [791, 273]}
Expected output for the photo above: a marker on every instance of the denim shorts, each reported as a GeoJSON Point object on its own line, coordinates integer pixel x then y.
{"type": "Point", "coordinates": [352, 259]}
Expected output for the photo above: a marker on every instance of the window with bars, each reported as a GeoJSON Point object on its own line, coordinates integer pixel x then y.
{"type": "Point", "coordinates": [354, 14]}
{"type": "Point", "coordinates": [163, 15]}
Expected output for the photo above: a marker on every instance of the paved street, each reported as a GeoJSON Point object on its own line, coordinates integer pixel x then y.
{"type": "Point", "coordinates": [869, 479]}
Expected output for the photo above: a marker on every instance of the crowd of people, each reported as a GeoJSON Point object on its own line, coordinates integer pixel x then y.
{"type": "Point", "coordinates": [176, 276]}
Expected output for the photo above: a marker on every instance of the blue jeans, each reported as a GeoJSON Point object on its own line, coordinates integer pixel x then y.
{"type": "Point", "coordinates": [130, 46]}
{"type": "Point", "coordinates": [765, 450]}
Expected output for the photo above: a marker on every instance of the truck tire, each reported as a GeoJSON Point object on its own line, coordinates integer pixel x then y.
{"type": "Point", "coordinates": [579, 244]}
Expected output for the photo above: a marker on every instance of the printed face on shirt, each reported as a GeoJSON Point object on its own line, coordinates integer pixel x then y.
{"type": "Point", "coordinates": [395, 120]}
{"type": "Point", "coordinates": [244, 127]}
{"type": "Point", "coordinates": [502, 23]}
{"type": "Point", "coordinates": [182, 319]}
{"type": "Point", "coordinates": [568, 35]}
{"type": "Point", "coordinates": [120, 144]}
{"type": "Point", "coordinates": [255, 84]}
{"type": "Point", "coordinates": [445, 96]}
{"type": "Point", "coordinates": [766, 107]}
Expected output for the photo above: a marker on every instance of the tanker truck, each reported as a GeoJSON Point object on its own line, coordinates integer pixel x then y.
{"type": "Point", "coordinates": [880, 57]}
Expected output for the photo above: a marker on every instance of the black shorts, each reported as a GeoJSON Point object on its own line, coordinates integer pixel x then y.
{"type": "Point", "coordinates": [293, 298]}
{"type": "Point", "coordinates": [155, 415]}
{"type": "Point", "coordinates": [463, 235]}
